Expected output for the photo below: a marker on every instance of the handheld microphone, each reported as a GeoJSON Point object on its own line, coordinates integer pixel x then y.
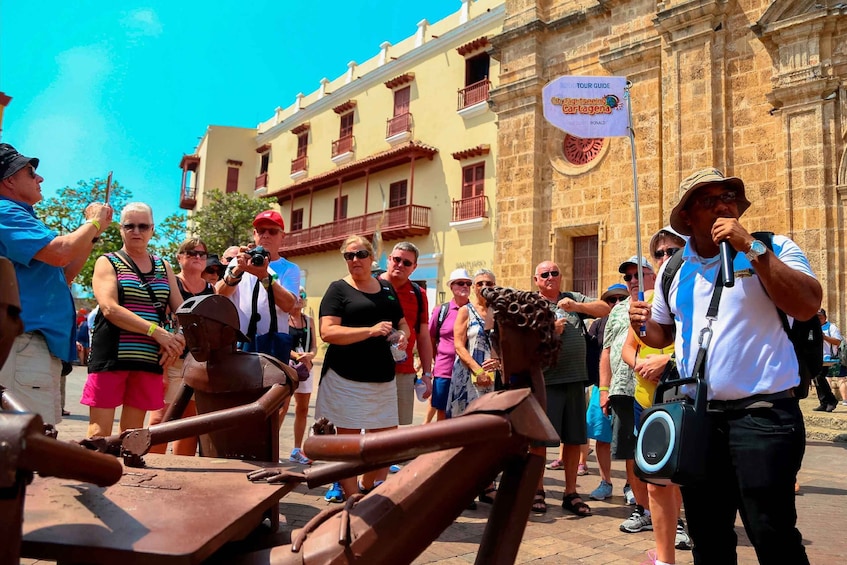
{"type": "Point", "coordinates": [726, 264]}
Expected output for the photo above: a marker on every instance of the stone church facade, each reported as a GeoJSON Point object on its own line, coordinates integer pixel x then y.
{"type": "Point", "coordinates": [755, 88]}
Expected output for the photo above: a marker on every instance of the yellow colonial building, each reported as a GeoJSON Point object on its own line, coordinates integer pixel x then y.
{"type": "Point", "coordinates": [755, 88]}
{"type": "Point", "coordinates": [402, 145]}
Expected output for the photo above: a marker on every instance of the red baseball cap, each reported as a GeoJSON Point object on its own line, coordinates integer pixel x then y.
{"type": "Point", "coordinates": [270, 216]}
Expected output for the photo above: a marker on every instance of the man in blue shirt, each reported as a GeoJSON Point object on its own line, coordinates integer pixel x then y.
{"type": "Point", "coordinates": [45, 264]}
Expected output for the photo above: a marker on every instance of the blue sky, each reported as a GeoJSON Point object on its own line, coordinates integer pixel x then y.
{"type": "Point", "coordinates": [129, 87]}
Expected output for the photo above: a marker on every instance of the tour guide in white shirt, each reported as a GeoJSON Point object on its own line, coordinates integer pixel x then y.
{"type": "Point", "coordinates": [757, 434]}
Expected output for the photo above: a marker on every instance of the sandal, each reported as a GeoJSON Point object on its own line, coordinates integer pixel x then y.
{"type": "Point", "coordinates": [538, 504]}
{"type": "Point", "coordinates": [486, 494]}
{"type": "Point", "coordinates": [580, 508]}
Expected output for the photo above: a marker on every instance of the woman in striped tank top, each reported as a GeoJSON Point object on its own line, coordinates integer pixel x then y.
{"type": "Point", "coordinates": [130, 345]}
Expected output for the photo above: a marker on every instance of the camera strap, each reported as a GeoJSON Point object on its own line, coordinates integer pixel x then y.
{"type": "Point", "coordinates": [157, 304]}
{"type": "Point", "coordinates": [255, 317]}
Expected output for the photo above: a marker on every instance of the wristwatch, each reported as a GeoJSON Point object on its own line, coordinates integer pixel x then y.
{"type": "Point", "coordinates": [756, 248]}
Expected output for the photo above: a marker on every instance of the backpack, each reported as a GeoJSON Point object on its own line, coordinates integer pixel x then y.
{"type": "Point", "coordinates": [443, 310]}
{"type": "Point", "coordinates": [418, 296]}
{"type": "Point", "coordinates": [805, 335]}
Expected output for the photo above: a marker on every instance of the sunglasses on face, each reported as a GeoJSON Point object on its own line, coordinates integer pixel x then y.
{"type": "Point", "coordinates": [461, 283]}
{"type": "Point", "coordinates": [141, 227]}
{"type": "Point", "coordinates": [32, 171]}
{"type": "Point", "coordinates": [227, 259]}
{"type": "Point", "coordinates": [708, 202]}
{"type": "Point", "coordinates": [629, 276]}
{"type": "Point", "coordinates": [615, 299]}
{"type": "Point", "coordinates": [195, 253]}
{"type": "Point", "coordinates": [546, 274]}
{"type": "Point", "coordinates": [272, 231]}
{"type": "Point", "coordinates": [662, 252]}
{"type": "Point", "coordinates": [211, 271]}
{"type": "Point", "coordinates": [399, 260]}
{"type": "Point", "coordinates": [360, 254]}
{"type": "Point", "coordinates": [481, 284]}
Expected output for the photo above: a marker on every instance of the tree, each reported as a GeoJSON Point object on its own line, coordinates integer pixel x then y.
{"type": "Point", "coordinates": [63, 213]}
{"type": "Point", "coordinates": [226, 219]}
{"type": "Point", "coordinates": [170, 233]}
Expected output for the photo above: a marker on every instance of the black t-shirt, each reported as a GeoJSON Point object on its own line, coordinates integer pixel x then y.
{"type": "Point", "coordinates": [367, 361]}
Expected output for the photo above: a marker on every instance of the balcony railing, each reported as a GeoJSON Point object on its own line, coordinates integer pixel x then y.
{"type": "Point", "coordinates": [474, 93]}
{"type": "Point", "coordinates": [299, 164]}
{"type": "Point", "coordinates": [342, 145]}
{"type": "Point", "coordinates": [400, 222]}
{"type": "Point", "coordinates": [398, 124]}
{"type": "Point", "coordinates": [188, 198]}
{"type": "Point", "coordinates": [261, 181]}
{"type": "Point", "coordinates": [470, 208]}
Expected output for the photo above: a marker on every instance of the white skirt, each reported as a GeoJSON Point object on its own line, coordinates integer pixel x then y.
{"type": "Point", "coordinates": [355, 405]}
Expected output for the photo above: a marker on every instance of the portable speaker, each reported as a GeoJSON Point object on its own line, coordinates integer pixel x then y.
{"type": "Point", "coordinates": [671, 442]}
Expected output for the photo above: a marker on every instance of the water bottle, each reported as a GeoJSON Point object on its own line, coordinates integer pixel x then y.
{"type": "Point", "coordinates": [560, 313]}
{"type": "Point", "coordinates": [397, 353]}
{"type": "Point", "coordinates": [420, 389]}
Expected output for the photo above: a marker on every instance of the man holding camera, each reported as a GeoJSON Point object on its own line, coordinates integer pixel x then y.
{"type": "Point", "coordinates": [45, 264]}
{"type": "Point", "coordinates": [757, 436]}
{"type": "Point", "coordinates": [258, 274]}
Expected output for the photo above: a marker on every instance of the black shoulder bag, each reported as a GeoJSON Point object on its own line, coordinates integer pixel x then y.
{"type": "Point", "coordinates": [671, 443]}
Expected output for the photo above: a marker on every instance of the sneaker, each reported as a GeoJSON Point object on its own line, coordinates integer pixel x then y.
{"type": "Point", "coordinates": [394, 469]}
{"type": "Point", "coordinates": [334, 494]}
{"type": "Point", "coordinates": [638, 521]}
{"type": "Point", "coordinates": [629, 495]}
{"type": "Point", "coordinates": [602, 492]}
{"type": "Point", "coordinates": [555, 465]}
{"type": "Point", "coordinates": [682, 540]}
{"type": "Point", "coordinates": [297, 456]}
{"type": "Point", "coordinates": [582, 470]}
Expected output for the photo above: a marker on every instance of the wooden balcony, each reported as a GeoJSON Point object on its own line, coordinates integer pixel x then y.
{"type": "Point", "coordinates": [298, 164]}
{"type": "Point", "coordinates": [399, 223]}
{"type": "Point", "coordinates": [474, 94]}
{"type": "Point", "coordinates": [398, 125]}
{"type": "Point", "coordinates": [188, 198]}
{"type": "Point", "coordinates": [261, 181]}
{"type": "Point", "coordinates": [470, 208]}
{"type": "Point", "coordinates": [342, 145]}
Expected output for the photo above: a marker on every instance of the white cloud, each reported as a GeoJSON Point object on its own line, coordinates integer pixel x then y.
{"type": "Point", "coordinates": [142, 22]}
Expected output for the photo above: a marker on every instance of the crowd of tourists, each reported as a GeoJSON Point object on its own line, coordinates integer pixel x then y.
{"type": "Point", "coordinates": [385, 345]}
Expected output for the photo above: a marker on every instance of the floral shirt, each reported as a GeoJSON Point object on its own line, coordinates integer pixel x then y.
{"type": "Point", "coordinates": [623, 379]}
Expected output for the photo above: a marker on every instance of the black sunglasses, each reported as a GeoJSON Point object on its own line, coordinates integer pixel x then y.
{"type": "Point", "coordinates": [661, 253]}
{"type": "Point", "coordinates": [708, 202]}
{"type": "Point", "coordinates": [628, 277]}
{"type": "Point", "coordinates": [405, 262]}
{"type": "Point", "coordinates": [272, 231]}
{"type": "Point", "coordinates": [360, 254]}
{"type": "Point", "coordinates": [141, 227]}
{"type": "Point", "coordinates": [195, 253]}
{"type": "Point", "coordinates": [547, 274]}
{"type": "Point", "coordinates": [484, 283]}
{"type": "Point", "coordinates": [616, 299]}
{"type": "Point", "coordinates": [462, 283]}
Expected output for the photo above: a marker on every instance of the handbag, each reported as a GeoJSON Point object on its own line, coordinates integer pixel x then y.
{"type": "Point", "coordinates": [599, 426]}
{"type": "Point", "coordinates": [671, 442]}
{"type": "Point", "coordinates": [274, 343]}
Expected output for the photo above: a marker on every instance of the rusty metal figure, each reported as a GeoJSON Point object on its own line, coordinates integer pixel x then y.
{"type": "Point", "coordinates": [455, 458]}
{"type": "Point", "coordinates": [238, 394]}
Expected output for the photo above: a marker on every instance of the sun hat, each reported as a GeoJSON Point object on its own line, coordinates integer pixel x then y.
{"type": "Point", "coordinates": [615, 290]}
{"type": "Point", "coordinates": [634, 261]}
{"type": "Point", "coordinates": [11, 161]}
{"type": "Point", "coordinates": [697, 180]}
{"type": "Point", "coordinates": [458, 275]}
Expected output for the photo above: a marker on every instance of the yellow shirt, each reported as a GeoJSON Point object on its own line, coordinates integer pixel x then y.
{"type": "Point", "coordinates": [645, 390]}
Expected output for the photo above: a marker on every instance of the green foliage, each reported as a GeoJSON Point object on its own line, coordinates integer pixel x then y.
{"type": "Point", "coordinates": [64, 213]}
{"type": "Point", "coordinates": [226, 219]}
{"type": "Point", "coordinates": [170, 233]}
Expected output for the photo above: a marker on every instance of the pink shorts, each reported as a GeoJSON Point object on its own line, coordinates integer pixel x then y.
{"type": "Point", "coordinates": [110, 389]}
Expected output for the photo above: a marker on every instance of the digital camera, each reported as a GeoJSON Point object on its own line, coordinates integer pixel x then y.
{"type": "Point", "coordinates": [258, 255]}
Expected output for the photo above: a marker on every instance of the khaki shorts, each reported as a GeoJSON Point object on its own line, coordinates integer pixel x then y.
{"type": "Point", "coordinates": [32, 375]}
{"type": "Point", "coordinates": [405, 397]}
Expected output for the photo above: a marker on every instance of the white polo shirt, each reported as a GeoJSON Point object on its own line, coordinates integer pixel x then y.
{"type": "Point", "coordinates": [749, 353]}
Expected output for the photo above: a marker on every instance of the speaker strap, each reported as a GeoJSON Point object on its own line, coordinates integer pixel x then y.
{"type": "Point", "coordinates": [706, 333]}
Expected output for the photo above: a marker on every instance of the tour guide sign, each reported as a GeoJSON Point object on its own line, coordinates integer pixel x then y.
{"type": "Point", "coordinates": [588, 107]}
